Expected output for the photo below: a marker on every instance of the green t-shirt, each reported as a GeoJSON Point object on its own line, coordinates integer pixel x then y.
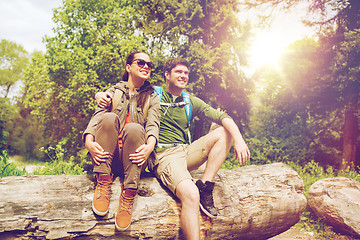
{"type": "Point", "coordinates": [173, 123]}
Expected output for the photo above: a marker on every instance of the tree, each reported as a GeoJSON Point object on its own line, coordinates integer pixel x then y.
{"type": "Point", "coordinates": [85, 56]}
{"type": "Point", "coordinates": [92, 39]}
{"type": "Point", "coordinates": [348, 75]}
{"type": "Point", "coordinates": [13, 60]}
{"type": "Point", "coordinates": [209, 34]}
{"type": "Point", "coordinates": [6, 117]}
{"type": "Point", "coordinates": [338, 19]}
{"type": "Point", "coordinates": [312, 98]}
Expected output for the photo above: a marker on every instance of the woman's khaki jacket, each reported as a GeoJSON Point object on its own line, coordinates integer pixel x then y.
{"type": "Point", "coordinates": [151, 123]}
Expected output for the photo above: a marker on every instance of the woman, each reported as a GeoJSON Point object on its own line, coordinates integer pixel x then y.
{"type": "Point", "coordinates": [122, 139]}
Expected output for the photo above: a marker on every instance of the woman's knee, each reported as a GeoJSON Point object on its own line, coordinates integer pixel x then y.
{"type": "Point", "coordinates": [134, 132]}
{"type": "Point", "coordinates": [134, 127]}
{"type": "Point", "coordinates": [109, 121]}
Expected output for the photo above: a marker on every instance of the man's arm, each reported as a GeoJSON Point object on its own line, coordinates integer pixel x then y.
{"type": "Point", "coordinates": [240, 148]}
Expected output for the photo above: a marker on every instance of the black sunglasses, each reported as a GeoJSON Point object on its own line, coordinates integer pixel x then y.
{"type": "Point", "coordinates": [141, 63]}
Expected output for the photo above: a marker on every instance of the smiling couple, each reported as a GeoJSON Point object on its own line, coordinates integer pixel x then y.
{"type": "Point", "coordinates": [127, 139]}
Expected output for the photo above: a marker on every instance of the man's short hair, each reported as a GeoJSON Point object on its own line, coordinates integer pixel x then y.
{"type": "Point", "coordinates": [173, 62]}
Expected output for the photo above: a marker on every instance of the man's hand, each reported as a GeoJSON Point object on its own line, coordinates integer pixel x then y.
{"type": "Point", "coordinates": [97, 152]}
{"type": "Point", "coordinates": [103, 99]}
{"type": "Point", "coordinates": [242, 152]}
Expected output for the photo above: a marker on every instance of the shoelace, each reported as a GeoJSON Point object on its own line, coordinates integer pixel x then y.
{"type": "Point", "coordinates": [104, 190]}
{"type": "Point", "coordinates": [126, 204]}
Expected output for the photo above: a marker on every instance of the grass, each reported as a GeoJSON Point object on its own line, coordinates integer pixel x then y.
{"type": "Point", "coordinates": [8, 168]}
{"type": "Point", "coordinates": [17, 167]}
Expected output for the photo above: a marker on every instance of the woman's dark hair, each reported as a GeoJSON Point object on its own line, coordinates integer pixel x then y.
{"type": "Point", "coordinates": [146, 89]}
{"type": "Point", "coordinates": [173, 62]}
{"type": "Point", "coordinates": [144, 92]}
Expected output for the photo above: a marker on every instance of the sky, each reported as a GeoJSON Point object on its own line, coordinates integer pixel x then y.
{"type": "Point", "coordinates": [27, 21]}
{"type": "Point", "coordinates": [271, 42]}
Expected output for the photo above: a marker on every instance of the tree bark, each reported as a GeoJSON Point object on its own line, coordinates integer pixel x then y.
{"type": "Point", "coordinates": [254, 202]}
{"type": "Point", "coordinates": [350, 129]}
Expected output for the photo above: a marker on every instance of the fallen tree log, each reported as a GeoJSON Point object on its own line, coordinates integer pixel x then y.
{"type": "Point", "coordinates": [254, 202]}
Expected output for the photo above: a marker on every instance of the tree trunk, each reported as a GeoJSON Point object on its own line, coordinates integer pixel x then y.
{"type": "Point", "coordinates": [350, 130]}
{"type": "Point", "coordinates": [254, 202]}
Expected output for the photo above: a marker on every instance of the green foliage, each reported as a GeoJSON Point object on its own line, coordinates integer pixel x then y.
{"type": "Point", "coordinates": [13, 61]}
{"type": "Point", "coordinates": [85, 56]}
{"type": "Point", "coordinates": [311, 223]}
{"type": "Point", "coordinates": [84, 160]}
{"type": "Point", "coordinates": [316, 92]}
{"type": "Point", "coordinates": [6, 116]}
{"type": "Point", "coordinates": [211, 37]}
{"type": "Point", "coordinates": [298, 114]}
{"type": "Point", "coordinates": [92, 39]}
{"type": "Point", "coordinates": [230, 162]}
{"type": "Point", "coordinates": [277, 133]}
{"type": "Point", "coordinates": [312, 172]}
{"type": "Point", "coordinates": [58, 165]}
{"type": "Point", "coordinates": [8, 168]}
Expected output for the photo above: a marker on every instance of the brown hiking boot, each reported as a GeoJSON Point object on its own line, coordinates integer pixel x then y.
{"type": "Point", "coordinates": [124, 214]}
{"type": "Point", "coordinates": [101, 200]}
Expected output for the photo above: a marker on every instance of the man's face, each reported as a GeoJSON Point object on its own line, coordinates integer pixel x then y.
{"type": "Point", "coordinates": [178, 77]}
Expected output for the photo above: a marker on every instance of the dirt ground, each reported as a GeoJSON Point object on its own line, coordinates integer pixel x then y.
{"type": "Point", "coordinates": [297, 234]}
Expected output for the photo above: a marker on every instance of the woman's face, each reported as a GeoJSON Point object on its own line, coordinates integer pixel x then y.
{"type": "Point", "coordinates": [140, 67]}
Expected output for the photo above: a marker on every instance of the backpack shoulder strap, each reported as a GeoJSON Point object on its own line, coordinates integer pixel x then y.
{"type": "Point", "coordinates": [186, 97]}
{"type": "Point", "coordinates": [158, 91]}
{"type": "Point", "coordinates": [146, 107]}
{"type": "Point", "coordinates": [116, 99]}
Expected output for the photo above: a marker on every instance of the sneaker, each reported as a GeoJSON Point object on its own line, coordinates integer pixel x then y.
{"type": "Point", "coordinates": [101, 200]}
{"type": "Point", "coordinates": [206, 198]}
{"type": "Point", "coordinates": [124, 214]}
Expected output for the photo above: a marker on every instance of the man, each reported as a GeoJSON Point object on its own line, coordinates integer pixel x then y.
{"type": "Point", "coordinates": [177, 157]}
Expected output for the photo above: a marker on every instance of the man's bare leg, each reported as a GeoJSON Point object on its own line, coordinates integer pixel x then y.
{"type": "Point", "coordinates": [218, 145]}
{"type": "Point", "coordinates": [188, 194]}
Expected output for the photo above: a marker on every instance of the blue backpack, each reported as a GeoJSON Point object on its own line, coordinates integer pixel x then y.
{"type": "Point", "coordinates": [185, 103]}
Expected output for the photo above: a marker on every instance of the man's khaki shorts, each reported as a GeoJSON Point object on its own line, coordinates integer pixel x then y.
{"type": "Point", "coordinates": [176, 162]}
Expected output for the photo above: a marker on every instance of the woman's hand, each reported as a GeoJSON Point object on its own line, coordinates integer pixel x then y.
{"type": "Point", "coordinates": [97, 152]}
{"type": "Point", "coordinates": [143, 152]}
{"type": "Point", "coordinates": [103, 99]}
